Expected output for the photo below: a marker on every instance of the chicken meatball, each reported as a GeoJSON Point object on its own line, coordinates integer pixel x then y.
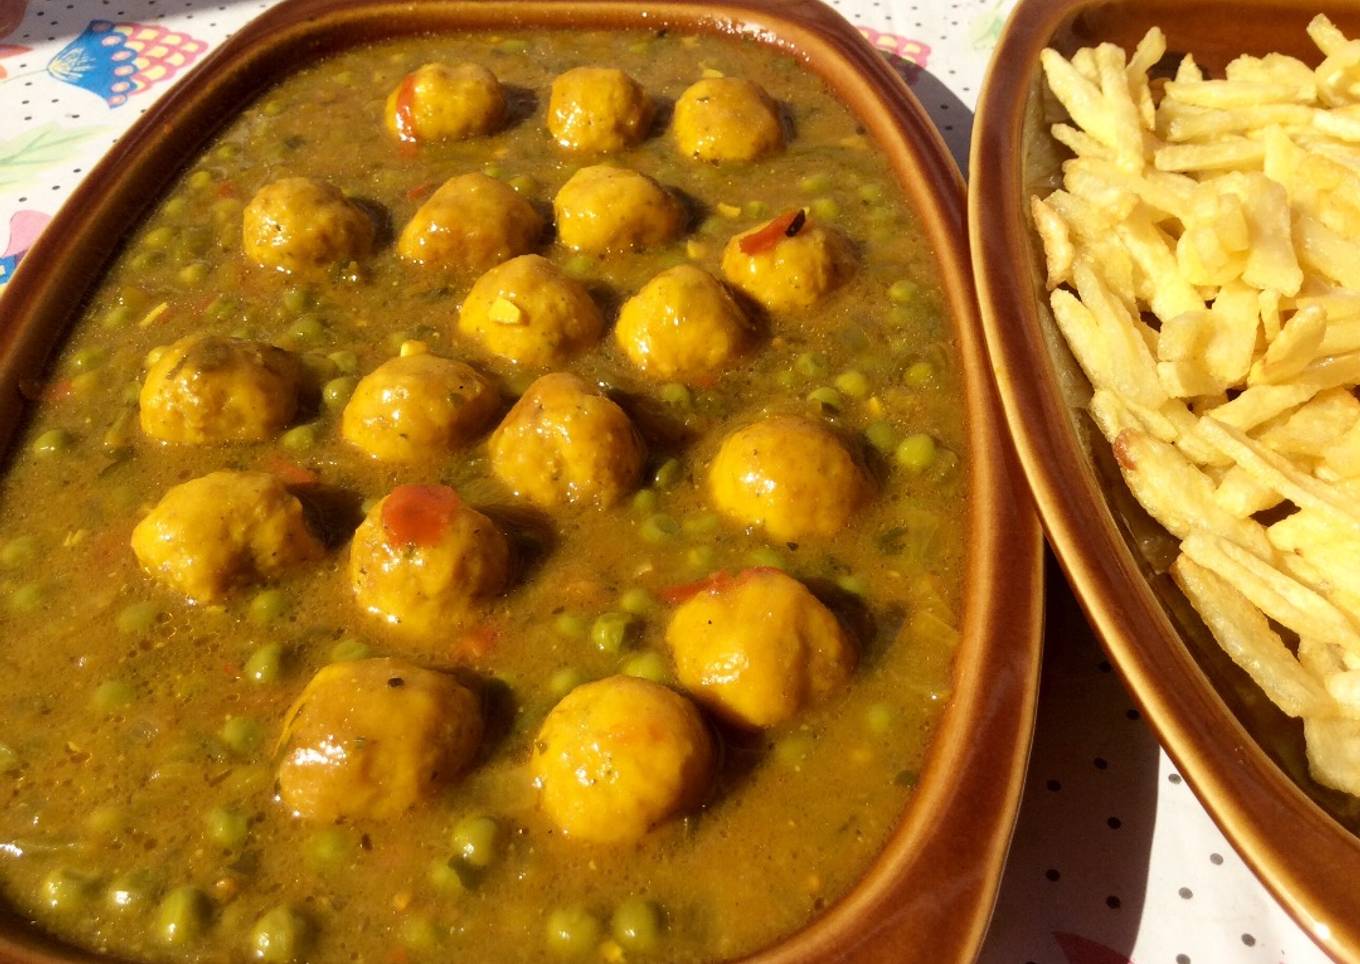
{"type": "Point", "coordinates": [368, 739]}
{"type": "Point", "coordinates": [682, 324]}
{"type": "Point", "coordinates": [418, 406]}
{"type": "Point", "coordinates": [528, 311]}
{"type": "Point", "coordinates": [618, 756]}
{"type": "Point", "coordinates": [300, 224]}
{"type": "Point", "coordinates": [423, 561]}
{"type": "Point", "coordinates": [604, 209]}
{"type": "Point", "coordinates": [786, 269]}
{"type": "Point", "coordinates": [211, 534]}
{"type": "Point", "coordinates": [473, 222]}
{"type": "Point", "coordinates": [726, 119]}
{"type": "Point", "coordinates": [438, 102]}
{"type": "Point", "coordinates": [204, 389]}
{"type": "Point", "coordinates": [789, 475]}
{"type": "Point", "coordinates": [597, 109]}
{"type": "Point", "coordinates": [565, 443]}
{"type": "Point", "coordinates": [758, 647]}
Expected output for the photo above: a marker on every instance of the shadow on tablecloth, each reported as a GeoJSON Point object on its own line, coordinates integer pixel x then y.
{"type": "Point", "coordinates": [1074, 885]}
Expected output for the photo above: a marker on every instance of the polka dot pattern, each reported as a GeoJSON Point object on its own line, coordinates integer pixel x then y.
{"type": "Point", "coordinates": [1111, 851]}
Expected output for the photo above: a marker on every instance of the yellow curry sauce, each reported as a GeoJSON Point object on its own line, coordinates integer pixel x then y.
{"type": "Point", "coordinates": [140, 754]}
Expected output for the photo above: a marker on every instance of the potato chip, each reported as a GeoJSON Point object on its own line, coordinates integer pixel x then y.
{"type": "Point", "coordinates": [1296, 346]}
{"type": "Point", "coordinates": [1247, 638]}
{"type": "Point", "coordinates": [1058, 250]}
{"type": "Point", "coordinates": [1241, 494]}
{"type": "Point", "coordinates": [1223, 154]}
{"type": "Point", "coordinates": [1240, 93]}
{"type": "Point", "coordinates": [1311, 429]}
{"type": "Point", "coordinates": [1333, 747]}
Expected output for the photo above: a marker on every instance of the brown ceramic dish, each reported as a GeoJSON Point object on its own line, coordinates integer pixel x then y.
{"type": "Point", "coordinates": [1244, 758]}
{"type": "Point", "coordinates": [930, 894]}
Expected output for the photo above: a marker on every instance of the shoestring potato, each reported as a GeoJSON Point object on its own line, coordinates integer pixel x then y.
{"type": "Point", "coordinates": [1202, 255]}
{"type": "Point", "coordinates": [373, 562]}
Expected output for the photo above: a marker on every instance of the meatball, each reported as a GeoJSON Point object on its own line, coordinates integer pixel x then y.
{"type": "Point", "coordinates": [528, 311]}
{"type": "Point", "coordinates": [564, 442]}
{"type": "Point", "coordinates": [221, 530]}
{"type": "Point", "coordinates": [604, 209]}
{"type": "Point", "coordinates": [423, 560]}
{"type": "Point", "coordinates": [726, 119]}
{"type": "Point", "coordinates": [790, 475]}
{"type": "Point", "coordinates": [758, 647]}
{"type": "Point", "coordinates": [597, 109]}
{"type": "Point", "coordinates": [616, 757]}
{"type": "Point", "coordinates": [682, 324]}
{"type": "Point", "coordinates": [437, 102]}
{"type": "Point", "coordinates": [370, 738]}
{"type": "Point", "coordinates": [204, 389]}
{"type": "Point", "coordinates": [301, 224]}
{"type": "Point", "coordinates": [473, 222]}
{"type": "Point", "coordinates": [783, 272]}
{"type": "Point", "coordinates": [416, 407]}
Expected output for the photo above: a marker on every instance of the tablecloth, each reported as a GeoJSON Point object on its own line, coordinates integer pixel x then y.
{"type": "Point", "coordinates": [1114, 859]}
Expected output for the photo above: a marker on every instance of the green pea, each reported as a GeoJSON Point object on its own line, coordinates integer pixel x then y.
{"type": "Point", "coordinates": [103, 823]}
{"type": "Point", "coordinates": [825, 209]}
{"type": "Point", "coordinates": [450, 875]}
{"type": "Point", "coordinates": [813, 364]}
{"type": "Point", "coordinates": [111, 695]}
{"type": "Point", "coordinates": [200, 179]}
{"type": "Point", "coordinates": [299, 439]}
{"type": "Point", "coordinates": [492, 169]}
{"type": "Point", "coordinates": [159, 238]}
{"type": "Point", "coordinates": [637, 601]}
{"type": "Point", "coordinates": [272, 108]}
{"type": "Point", "coordinates": [129, 891]}
{"type": "Point", "coordinates": [560, 684]}
{"type": "Point", "coordinates": [881, 435]}
{"type": "Point", "coordinates": [64, 890]}
{"type": "Point", "coordinates": [767, 556]}
{"type": "Point", "coordinates": [89, 358]}
{"type": "Point", "coordinates": [146, 261]}
{"type": "Point", "coordinates": [116, 317]}
{"type": "Point", "coordinates": [610, 631]}
{"type": "Point", "coordinates": [702, 558]}
{"type": "Point", "coordinates": [308, 328]}
{"type": "Point", "coordinates": [637, 924]}
{"type": "Point", "coordinates": [852, 383]}
{"type": "Point", "coordinates": [826, 398]}
{"type": "Point", "coordinates": [658, 528]}
{"type": "Point", "coordinates": [268, 606]}
{"type": "Point", "coordinates": [756, 209]}
{"type": "Point", "coordinates": [9, 759]}
{"type": "Point", "coordinates": [19, 552]}
{"type": "Point", "coordinates": [194, 273]}
{"type": "Point", "coordinates": [241, 734]}
{"type": "Point", "coordinates": [646, 665]}
{"type": "Point", "coordinates": [476, 840]}
{"type": "Point", "coordinates": [701, 524]}
{"type": "Point", "coordinates": [871, 192]}
{"type": "Point", "coordinates": [668, 473]}
{"type": "Point", "coordinates": [348, 649]}
{"type": "Point", "coordinates": [319, 366]}
{"type": "Point", "coordinates": [53, 441]}
{"type": "Point", "coordinates": [920, 373]}
{"type": "Point", "coordinates": [337, 391]}
{"type": "Point", "coordinates": [280, 935]}
{"type": "Point", "coordinates": [513, 46]}
{"type": "Point", "coordinates": [852, 584]}
{"type": "Point", "coordinates": [346, 361]}
{"type": "Point", "coordinates": [227, 828]}
{"type": "Point", "coordinates": [523, 184]}
{"type": "Point", "coordinates": [265, 665]}
{"type": "Point", "coordinates": [182, 916]}
{"type": "Point", "coordinates": [329, 847]}
{"type": "Point", "coordinates": [137, 619]}
{"type": "Point", "coordinates": [902, 292]}
{"type": "Point", "coordinates": [673, 393]}
{"type": "Point", "coordinates": [644, 500]}
{"type": "Point", "coordinates": [579, 266]}
{"type": "Point", "coordinates": [878, 718]}
{"type": "Point", "coordinates": [572, 932]}
{"type": "Point", "coordinates": [418, 933]}
{"type": "Point", "coordinates": [227, 152]}
{"type": "Point", "coordinates": [916, 452]}
{"type": "Point", "coordinates": [296, 300]}
{"type": "Point", "coordinates": [571, 625]}
{"type": "Point", "coordinates": [793, 749]}
{"type": "Point", "coordinates": [174, 207]}
{"type": "Point", "coordinates": [26, 598]}
{"type": "Point", "coordinates": [815, 183]}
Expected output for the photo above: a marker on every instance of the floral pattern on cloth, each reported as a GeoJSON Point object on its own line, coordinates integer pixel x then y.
{"type": "Point", "coordinates": [119, 60]}
{"type": "Point", "coordinates": [24, 228]}
{"type": "Point", "coordinates": [908, 56]}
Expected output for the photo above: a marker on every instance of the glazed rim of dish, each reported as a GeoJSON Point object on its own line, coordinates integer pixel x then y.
{"type": "Point", "coordinates": [936, 877]}
{"type": "Point", "coordinates": [1301, 853]}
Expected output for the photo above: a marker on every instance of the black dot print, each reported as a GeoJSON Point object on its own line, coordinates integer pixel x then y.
{"type": "Point", "coordinates": [1248, 940]}
{"type": "Point", "coordinates": [1100, 763]}
{"type": "Point", "coordinates": [1052, 874]}
{"type": "Point", "coordinates": [1053, 786]}
{"type": "Point", "coordinates": [1112, 902]}
{"type": "Point", "coordinates": [1133, 714]}
{"type": "Point", "coordinates": [1174, 778]}
{"type": "Point", "coordinates": [1216, 859]}
{"type": "Point", "coordinates": [1185, 893]}
{"type": "Point", "coordinates": [1182, 959]}
{"type": "Point", "coordinates": [1114, 823]}
{"type": "Point", "coordinates": [1104, 666]}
